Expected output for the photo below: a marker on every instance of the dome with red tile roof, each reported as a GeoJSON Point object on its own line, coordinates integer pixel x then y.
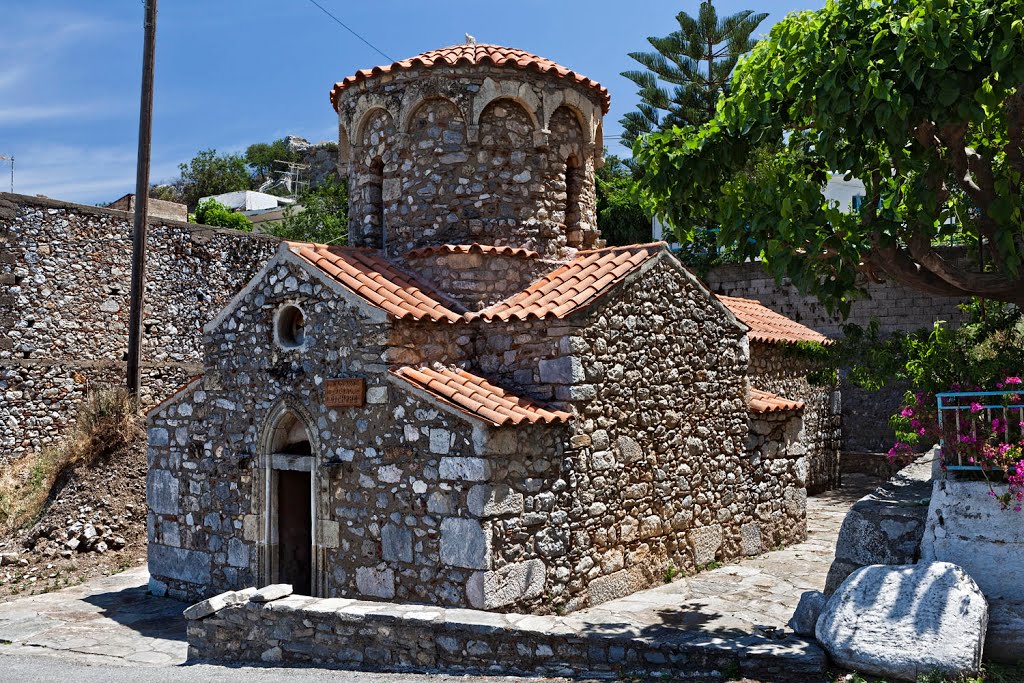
{"type": "Point", "coordinates": [478, 55]}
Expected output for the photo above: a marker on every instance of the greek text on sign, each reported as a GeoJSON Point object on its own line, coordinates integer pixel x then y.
{"type": "Point", "coordinates": [345, 393]}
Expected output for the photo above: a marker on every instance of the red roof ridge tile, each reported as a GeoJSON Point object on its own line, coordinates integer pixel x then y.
{"type": "Point", "coordinates": [368, 275]}
{"type": "Point", "coordinates": [769, 326]}
{"type": "Point", "coordinates": [474, 248]}
{"type": "Point", "coordinates": [765, 402]}
{"type": "Point", "coordinates": [477, 397]}
{"type": "Point", "coordinates": [573, 285]}
{"type": "Point", "coordinates": [475, 54]}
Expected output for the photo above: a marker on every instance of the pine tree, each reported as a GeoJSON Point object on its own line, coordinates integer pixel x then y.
{"type": "Point", "coordinates": [695, 62]}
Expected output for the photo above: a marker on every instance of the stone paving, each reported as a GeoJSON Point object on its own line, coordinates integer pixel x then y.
{"type": "Point", "coordinates": [114, 621]}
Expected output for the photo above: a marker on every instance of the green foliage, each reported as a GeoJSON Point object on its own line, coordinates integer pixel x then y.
{"type": "Point", "coordinates": [695, 62]}
{"type": "Point", "coordinates": [212, 212]}
{"type": "Point", "coordinates": [621, 217]}
{"type": "Point", "coordinates": [987, 348]}
{"type": "Point", "coordinates": [323, 218]}
{"type": "Point", "coordinates": [920, 99]}
{"type": "Point", "coordinates": [211, 174]}
{"type": "Point", "coordinates": [261, 157]}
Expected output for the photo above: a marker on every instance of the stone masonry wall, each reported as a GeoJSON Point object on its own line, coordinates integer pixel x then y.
{"type": "Point", "coordinates": [897, 308]}
{"type": "Point", "coordinates": [478, 280]}
{"type": "Point", "coordinates": [464, 155]}
{"type": "Point", "coordinates": [865, 414]}
{"type": "Point", "coordinates": [656, 473]}
{"type": "Point", "coordinates": [412, 503]}
{"type": "Point", "coordinates": [780, 370]}
{"type": "Point", "coordinates": [776, 472]}
{"type": "Point", "coordinates": [64, 286]}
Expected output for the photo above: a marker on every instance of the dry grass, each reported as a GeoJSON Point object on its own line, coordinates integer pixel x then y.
{"type": "Point", "coordinates": [108, 421]}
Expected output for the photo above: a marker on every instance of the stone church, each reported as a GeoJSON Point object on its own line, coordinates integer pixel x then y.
{"type": "Point", "coordinates": [477, 403]}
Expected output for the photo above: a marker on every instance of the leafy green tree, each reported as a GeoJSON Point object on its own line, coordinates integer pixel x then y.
{"type": "Point", "coordinates": [323, 218]}
{"type": "Point", "coordinates": [210, 174]}
{"type": "Point", "coordinates": [261, 157]}
{"type": "Point", "coordinates": [923, 100]}
{"type": "Point", "coordinates": [212, 212]}
{"type": "Point", "coordinates": [621, 217]}
{"type": "Point", "coordinates": [690, 68]}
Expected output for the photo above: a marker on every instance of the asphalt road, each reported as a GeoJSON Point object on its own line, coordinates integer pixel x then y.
{"type": "Point", "coordinates": [19, 667]}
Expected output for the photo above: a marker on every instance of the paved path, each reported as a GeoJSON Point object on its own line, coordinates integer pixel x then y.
{"type": "Point", "coordinates": [90, 631]}
{"type": "Point", "coordinates": [754, 596]}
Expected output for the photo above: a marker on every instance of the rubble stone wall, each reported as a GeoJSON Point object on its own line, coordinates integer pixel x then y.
{"type": "Point", "coordinates": [478, 280]}
{"type": "Point", "coordinates": [780, 370]}
{"type": "Point", "coordinates": [64, 285]}
{"type": "Point", "coordinates": [471, 154]}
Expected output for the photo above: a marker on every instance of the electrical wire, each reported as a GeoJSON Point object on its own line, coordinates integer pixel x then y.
{"type": "Point", "coordinates": [350, 30]}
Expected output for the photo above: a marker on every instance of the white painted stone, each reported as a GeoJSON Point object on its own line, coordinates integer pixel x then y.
{"type": "Point", "coordinates": [464, 469]}
{"type": "Point", "coordinates": [509, 585]}
{"type": "Point", "coordinates": [274, 591]}
{"type": "Point", "coordinates": [903, 621]}
{"type": "Point", "coordinates": [376, 582]}
{"type": "Point", "coordinates": [967, 527]}
{"type": "Point", "coordinates": [464, 543]}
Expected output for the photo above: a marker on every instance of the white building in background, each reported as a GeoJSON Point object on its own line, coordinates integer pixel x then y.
{"type": "Point", "coordinates": [247, 200]}
{"type": "Point", "coordinates": [849, 194]}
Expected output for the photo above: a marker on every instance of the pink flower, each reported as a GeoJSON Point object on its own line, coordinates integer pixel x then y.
{"type": "Point", "coordinates": [907, 412]}
{"type": "Point", "coordinates": [1013, 380]}
{"type": "Point", "coordinates": [976, 407]}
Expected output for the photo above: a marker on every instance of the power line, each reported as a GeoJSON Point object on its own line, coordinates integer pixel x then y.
{"type": "Point", "coordinates": [347, 28]}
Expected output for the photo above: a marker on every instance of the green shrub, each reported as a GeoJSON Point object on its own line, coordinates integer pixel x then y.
{"type": "Point", "coordinates": [212, 212]}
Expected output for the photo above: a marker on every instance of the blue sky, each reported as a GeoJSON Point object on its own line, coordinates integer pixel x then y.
{"type": "Point", "coordinates": [233, 72]}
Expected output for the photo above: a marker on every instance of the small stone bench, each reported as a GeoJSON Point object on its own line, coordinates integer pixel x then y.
{"type": "Point", "coordinates": [268, 626]}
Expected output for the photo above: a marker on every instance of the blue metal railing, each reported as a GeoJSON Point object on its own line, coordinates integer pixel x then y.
{"type": "Point", "coordinates": [953, 404]}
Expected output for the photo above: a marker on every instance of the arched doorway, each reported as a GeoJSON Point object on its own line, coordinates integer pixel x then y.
{"type": "Point", "coordinates": [290, 503]}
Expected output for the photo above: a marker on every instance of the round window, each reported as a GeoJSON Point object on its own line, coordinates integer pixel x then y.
{"type": "Point", "coordinates": [291, 327]}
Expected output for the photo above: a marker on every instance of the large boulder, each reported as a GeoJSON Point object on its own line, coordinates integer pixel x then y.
{"type": "Point", "coordinates": [904, 621]}
{"type": "Point", "coordinates": [886, 526]}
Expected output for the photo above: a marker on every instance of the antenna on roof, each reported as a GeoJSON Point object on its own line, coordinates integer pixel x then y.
{"type": "Point", "coordinates": [470, 40]}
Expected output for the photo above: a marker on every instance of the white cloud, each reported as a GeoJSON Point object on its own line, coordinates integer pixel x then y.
{"type": "Point", "coordinates": [31, 113]}
{"type": "Point", "coordinates": [83, 174]}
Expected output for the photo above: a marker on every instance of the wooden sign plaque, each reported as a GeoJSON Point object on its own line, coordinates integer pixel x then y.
{"type": "Point", "coordinates": [345, 393]}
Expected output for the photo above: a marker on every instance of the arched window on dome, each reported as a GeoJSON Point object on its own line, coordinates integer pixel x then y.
{"type": "Point", "coordinates": [573, 190]}
{"type": "Point", "coordinates": [373, 221]}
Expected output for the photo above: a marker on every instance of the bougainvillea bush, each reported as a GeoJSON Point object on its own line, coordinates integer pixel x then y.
{"type": "Point", "coordinates": [986, 353]}
{"type": "Point", "coordinates": [983, 433]}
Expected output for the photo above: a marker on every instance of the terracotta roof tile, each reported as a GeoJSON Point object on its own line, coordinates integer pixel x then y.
{"type": "Point", "coordinates": [764, 402]}
{"type": "Point", "coordinates": [768, 326]}
{"type": "Point", "coordinates": [573, 286]}
{"type": "Point", "coordinates": [474, 248]}
{"type": "Point", "coordinates": [476, 396]}
{"type": "Point", "coordinates": [493, 55]}
{"type": "Point", "coordinates": [369, 275]}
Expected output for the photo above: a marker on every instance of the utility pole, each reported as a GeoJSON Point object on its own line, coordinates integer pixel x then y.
{"type": "Point", "coordinates": [141, 205]}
